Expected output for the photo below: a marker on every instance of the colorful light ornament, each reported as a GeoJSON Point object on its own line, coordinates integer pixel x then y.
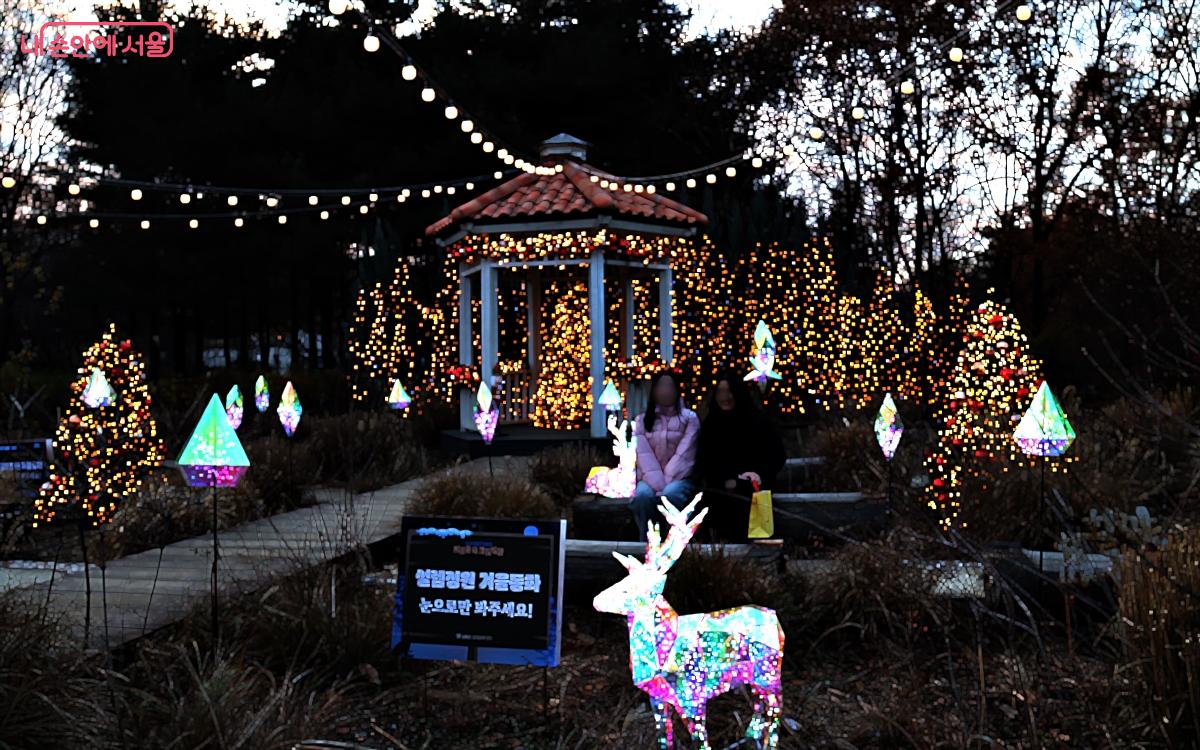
{"type": "Point", "coordinates": [233, 407]}
{"type": "Point", "coordinates": [683, 662]}
{"type": "Point", "coordinates": [98, 392]}
{"type": "Point", "coordinates": [213, 456]}
{"type": "Point", "coordinates": [610, 397]}
{"type": "Point", "coordinates": [620, 481]}
{"type": "Point", "coordinates": [486, 418]}
{"type": "Point", "coordinates": [763, 357]}
{"type": "Point", "coordinates": [262, 394]}
{"type": "Point", "coordinates": [888, 427]}
{"type": "Point", "coordinates": [398, 398]}
{"type": "Point", "coordinates": [1045, 429]}
{"type": "Point", "coordinates": [289, 409]}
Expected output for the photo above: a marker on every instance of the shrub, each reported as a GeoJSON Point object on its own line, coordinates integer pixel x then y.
{"type": "Point", "coordinates": [562, 469]}
{"type": "Point", "coordinates": [461, 492]}
{"type": "Point", "coordinates": [1160, 611]}
{"type": "Point", "coordinates": [51, 695]}
{"type": "Point", "coordinates": [705, 580]}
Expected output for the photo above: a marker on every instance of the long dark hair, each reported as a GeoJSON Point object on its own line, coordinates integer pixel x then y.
{"type": "Point", "coordinates": [651, 406]}
{"type": "Point", "coordinates": [743, 403]}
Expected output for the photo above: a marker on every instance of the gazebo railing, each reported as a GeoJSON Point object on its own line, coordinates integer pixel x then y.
{"type": "Point", "coordinates": [514, 396]}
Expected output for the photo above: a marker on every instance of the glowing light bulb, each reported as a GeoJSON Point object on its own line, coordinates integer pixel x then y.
{"type": "Point", "coordinates": [238, 222]}
{"type": "Point", "coordinates": [858, 113]}
{"type": "Point", "coordinates": [691, 182]}
{"type": "Point", "coordinates": [467, 126]}
{"type": "Point", "coordinates": [272, 202]}
{"type": "Point", "coordinates": [324, 216]}
{"type": "Point", "coordinates": [373, 197]}
{"type": "Point", "coordinates": [185, 198]}
{"type": "Point", "coordinates": [956, 54]}
{"type": "Point", "coordinates": [756, 162]}
{"type": "Point", "coordinates": [451, 112]}
{"type": "Point", "coordinates": [73, 189]}
{"type": "Point", "coordinates": [907, 88]}
{"type": "Point", "coordinates": [427, 94]}
{"type": "Point", "coordinates": [193, 223]}
{"type": "Point", "coordinates": [283, 220]}
{"type": "Point", "coordinates": [1024, 13]}
{"type": "Point", "coordinates": [730, 172]}
{"type": "Point", "coordinates": [476, 137]}
{"type": "Point", "coordinates": [41, 220]}
{"type": "Point", "coordinates": [670, 187]}
{"type": "Point", "coordinates": [488, 147]}
{"type": "Point", "coordinates": [145, 224]}
{"type": "Point", "coordinates": [816, 133]}
{"type": "Point", "coordinates": [345, 200]}
{"type": "Point", "coordinates": [136, 194]}
{"type": "Point", "coordinates": [711, 179]}
{"type": "Point", "coordinates": [408, 72]}
{"type": "Point", "coordinates": [94, 223]}
{"type": "Point", "coordinates": [8, 182]}
{"type": "Point", "coordinates": [361, 210]}
{"type": "Point", "coordinates": [371, 43]}
{"type": "Point", "coordinates": [312, 200]}
{"type": "Point", "coordinates": [231, 200]}
{"type": "Point", "coordinates": [337, 7]}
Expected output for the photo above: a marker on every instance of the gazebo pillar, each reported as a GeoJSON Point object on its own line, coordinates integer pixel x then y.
{"type": "Point", "coordinates": [533, 320]}
{"type": "Point", "coordinates": [466, 420]}
{"type": "Point", "coordinates": [489, 321]}
{"type": "Point", "coordinates": [597, 314]}
{"type": "Point", "coordinates": [627, 335]}
{"type": "Point", "coordinates": [665, 316]}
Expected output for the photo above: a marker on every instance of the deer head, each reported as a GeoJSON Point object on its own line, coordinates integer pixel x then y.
{"type": "Point", "coordinates": [646, 579]}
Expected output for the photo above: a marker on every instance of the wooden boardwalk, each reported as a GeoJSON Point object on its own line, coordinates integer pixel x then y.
{"type": "Point", "coordinates": [127, 601]}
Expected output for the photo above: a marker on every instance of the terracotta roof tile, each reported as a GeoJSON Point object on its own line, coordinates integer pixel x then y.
{"type": "Point", "coordinates": [567, 193]}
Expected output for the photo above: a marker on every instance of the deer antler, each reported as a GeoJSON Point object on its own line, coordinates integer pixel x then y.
{"type": "Point", "coordinates": [662, 554]}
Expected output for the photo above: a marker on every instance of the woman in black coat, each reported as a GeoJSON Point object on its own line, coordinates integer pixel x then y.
{"type": "Point", "coordinates": [739, 448]}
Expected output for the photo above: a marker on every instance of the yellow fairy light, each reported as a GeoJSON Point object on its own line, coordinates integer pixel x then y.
{"type": "Point", "coordinates": [136, 194]}
{"type": "Point", "coordinates": [956, 54]}
{"type": "Point", "coordinates": [427, 94]}
{"type": "Point", "coordinates": [408, 72]}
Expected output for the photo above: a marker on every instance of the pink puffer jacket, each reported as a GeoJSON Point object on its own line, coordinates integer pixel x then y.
{"type": "Point", "coordinates": [667, 454]}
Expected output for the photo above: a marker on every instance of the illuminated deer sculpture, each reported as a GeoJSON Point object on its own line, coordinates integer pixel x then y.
{"type": "Point", "coordinates": [682, 662]}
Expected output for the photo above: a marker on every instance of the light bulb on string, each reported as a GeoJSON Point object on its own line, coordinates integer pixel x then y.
{"type": "Point", "coordinates": [324, 215]}
{"type": "Point", "coordinates": [73, 189]}
{"type": "Point", "coordinates": [858, 113]}
{"type": "Point", "coordinates": [373, 197]}
{"type": "Point", "coordinates": [469, 186]}
{"type": "Point", "coordinates": [451, 112]}
{"type": "Point", "coordinates": [408, 72]}
{"type": "Point", "coordinates": [312, 200]}
{"type": "Point", "coordinates": [8, 182]}
{"type": "Point", "coordinates": [145, 224]}
{"type": "Point", "coordinates": [756, 162]}
{"type": "Point", "coordinates": [497, 174]}
{"type": "Point", "coordinates": [283, 220]}
{"type": "Point", "coordinates": [41, 219]}
{"type": "Point", "coordinates": [956, 54]}
{"type": "Point", "coordinates": [345, 200]}
{"type": "Point", "coordinates": [94, 223]}
{"type": "Point", "coordinates": [488, 147]}
{"type": "Point", "coordinates": [428, 94]}
{"type": "Point", "coordinates": [467, 126]}
{"type": "Point", "coordinates": [1024, 13]}
{"type": "Point", "coordinates": [730, 171]}
{"type": "Point", "coordinates": [711, 179]}
{"type": "Point", "coordinates": [185, 198]}
{"type": "Point", "coordinates": [239, 221]}
{"type": "Point", "coordinates": [816, 133]}
{"type": "Point", "coordinates": [371, 43]}
{"type": "Point", "coordinates": [192, 223]}
{"type": "Point", "coordinates": [476, 137]}
{"type": "Point", "coordinates": [272, 201]}
{"type": "Point", "coordinates": [691, 182]}
{"type": "Point", "coordinates": [437, 188]}
{"type": "Point", "coordinates": [231, 200]}
{"type": "Point", "coordinates": [907, 88]}
{"type": "Point", "coordinates": [136, 194]}
{"type": "Point", "coordinates": [670, 187]}
{"type": "Point", "coordinates": [337, 7]}
{"type": "Point", "coordinates": [361, 210]}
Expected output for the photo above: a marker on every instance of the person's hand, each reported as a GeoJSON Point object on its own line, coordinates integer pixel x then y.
{"type": "Point", "coordinates": [751, 477]}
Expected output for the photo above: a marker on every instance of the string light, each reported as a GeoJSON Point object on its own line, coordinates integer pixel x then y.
{"type": "Point", "coordinates": [428, 94]}
{"type": "Point", "coordinates": [73, 189]}
{"type": "Point", "coordinates": [185, 198]}
{"type": "Point", "coordinates": [192, 223]}
{"type": "Point", "coordinates": [135, 194]}
{"type": "Point", "coordinates": [94, 223]}
{"type": "Point", "coordinates": [451, 112]}
{"type": "Point", "coordinates": [907, 88]}
{"type": "Point", "coordinates": [8, 182]}
{"type": "Point", "coordinates": [313, 200]}
{"type": "Point", "coordinates": [408, 72]}
{"type": "Point", "coordinates": [272, 201]}
{"type": "Point", "coordinates": [387, 322]}
{"type": "Point", "coordinates": [232, 200]}
{"type": "Point", "coordinates": [371, 43]}
{"type": "Point", "coordinates": [238, 222]}
{"type": "Point", "coordinates": [1024, 13]}
{"type": "Point", "coordinates": [858, 113]}
{"type": "Point", "coordinates": [145, 224]}
{"type": "Point", "coordinates": [338, 7]}
{"type": "Point", "coordinates": [956, 54]}
{"type": "Point", "coordinates": [102, 455]}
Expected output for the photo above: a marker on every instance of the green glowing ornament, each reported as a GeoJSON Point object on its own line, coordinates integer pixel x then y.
{"type": "Point", "coordinates": [1045, 429]}
{"type": "Point", "coordinates": [213, 456]}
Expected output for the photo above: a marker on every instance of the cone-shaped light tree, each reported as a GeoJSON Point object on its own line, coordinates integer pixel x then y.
{"type": "Point", "coordinates": [102, 454]}
{"type": "Point", "coordinates": [563, 397]}
{"type": "Point", "coordinates": [988, 391]}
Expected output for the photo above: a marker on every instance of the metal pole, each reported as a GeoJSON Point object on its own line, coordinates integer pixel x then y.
{"type": "Point", "coordinates": [216, 626]}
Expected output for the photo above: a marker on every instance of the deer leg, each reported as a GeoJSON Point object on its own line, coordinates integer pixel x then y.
{"type": "Point", "coordinates": [698, 729]}
{"type": "Point", "coordinates": [764, 726]}
{"type": "Point", "coordinates": [662, 723]}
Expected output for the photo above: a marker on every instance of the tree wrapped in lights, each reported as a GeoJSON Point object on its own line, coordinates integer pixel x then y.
{"type": "Point", "coordinates": [984, 399]}
{"type": "Point", "coordinates": [850, 376]}
{"type": "Point", "coordinates": [923, 350]}
{"type": "Point", "coordinates": [383, 337]}
{"type": "Point", "coordinates": [562, 399]}
{"type": "Point", "coordinates": [102, 454]}
{"type": "Point", "coordinates": [888, 341]}
{"type": "Point", "coordinates": [703, 311]}
{"type": "Point", "coordinates": [771, 289]}
{"type": "Point", "coordinates": [828, 349]}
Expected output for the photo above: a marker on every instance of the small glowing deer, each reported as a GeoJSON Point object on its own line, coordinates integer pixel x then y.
{"type": "Point", "coordinates": [685, 661]}
{"type": "Point", "coordinates": [620, 481]}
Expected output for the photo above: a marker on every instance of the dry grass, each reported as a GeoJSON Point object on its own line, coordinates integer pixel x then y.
{"type": "Point", "coordinates": [561, 470]}
{"type": "Point", "coordinates": [462, 493]}
{"type": "Point", "coordinates": [1160, 611]}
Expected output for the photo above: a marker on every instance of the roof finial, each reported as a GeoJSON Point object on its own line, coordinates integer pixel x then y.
{"type": "Point", "coordinates": [563, 146]}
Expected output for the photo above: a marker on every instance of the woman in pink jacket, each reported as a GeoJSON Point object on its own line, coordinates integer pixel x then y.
{"type": "Point", "coordinates": [667, 436]}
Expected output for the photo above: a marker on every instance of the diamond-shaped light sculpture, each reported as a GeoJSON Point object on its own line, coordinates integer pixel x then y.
{"type": "Point", "coordinates": [233, 407]}
{"type": "Point", "coordinates": [610, 397]}
{"type": "Point", "coordinates": [213, 456]}
{"type": "Point", "coordinates": [289, 409]}
{"type": "Point", "coordinates": [486, 417]}
{"type": "Point", "coordinates": [262, 394]}
{"type": "Point", "coordinates": [98, 392]}
{"type": "Point", "coordinates": [1045, 429]}
{"type": "Point", "coordinates": [763, 356]}
{"type": "Point", "coordinates": [398, 398]}
{"type": "Point", "coordinates": [888, 427]}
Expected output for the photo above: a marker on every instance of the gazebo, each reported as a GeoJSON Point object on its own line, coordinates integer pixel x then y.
{"type": "Point", "coordinates": [561, 214]}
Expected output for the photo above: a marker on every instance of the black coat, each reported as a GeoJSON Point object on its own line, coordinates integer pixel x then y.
{"type": "Point", "coordinates": [732, 443]}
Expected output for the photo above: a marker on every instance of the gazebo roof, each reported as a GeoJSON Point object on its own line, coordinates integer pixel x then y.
{"type": "Point", "coordinates": [567, 194]}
